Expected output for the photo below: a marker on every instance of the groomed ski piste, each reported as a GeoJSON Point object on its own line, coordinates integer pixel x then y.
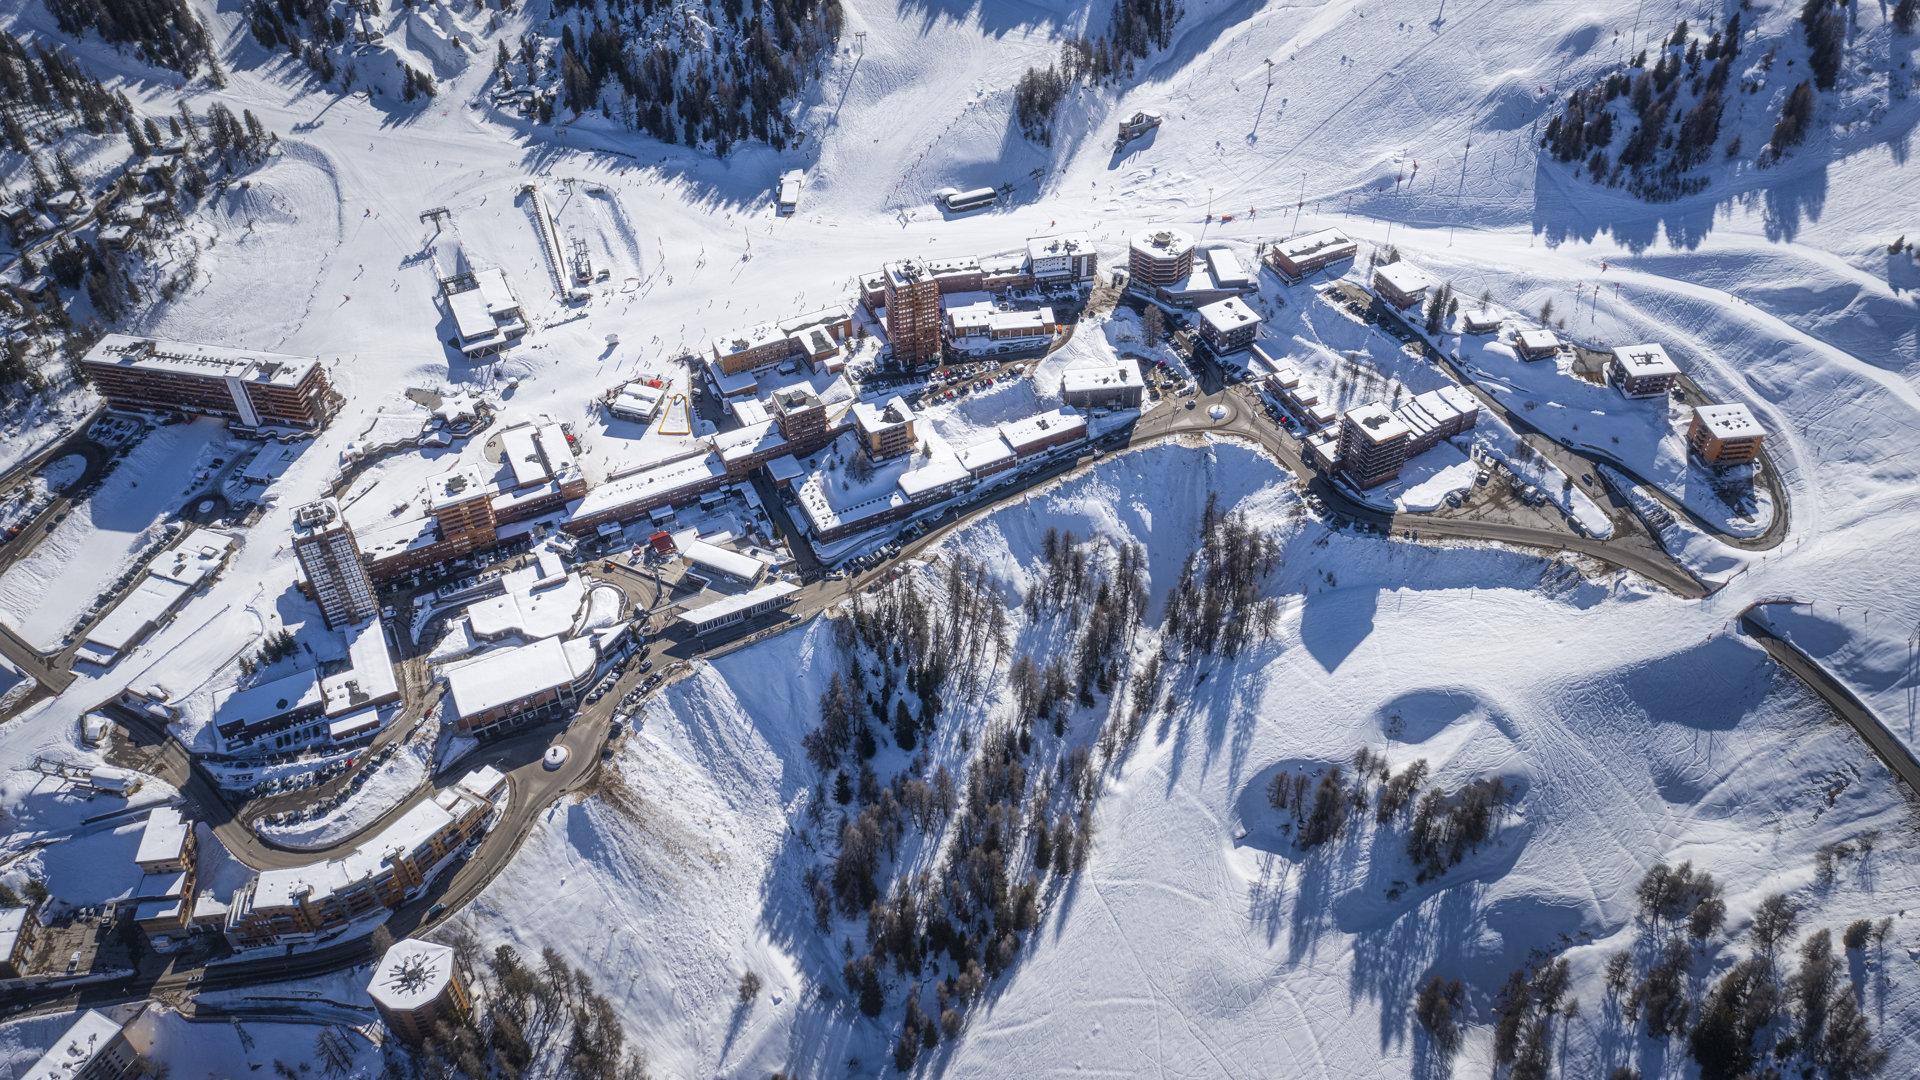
{"type": "Point", "coordinates": [1635, 725]}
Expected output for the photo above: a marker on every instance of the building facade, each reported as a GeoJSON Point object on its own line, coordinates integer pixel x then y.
{"type": "Point", "coordinates": [1723, 435]}
{"type": "Point", "coordinates": [1373, 445]}
{"type": "Point", "coordinates": [250, 387]}
{"type": "Point", "coordinates": [913, 313]}
{"type": "Point", "coordinates": [323, 544]}
{"type": "Point", "coordinates": [1158, 257]}
{"type": "Point", "coordinates": [1298, 256]}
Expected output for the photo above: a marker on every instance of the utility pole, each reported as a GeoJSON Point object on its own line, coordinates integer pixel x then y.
{"type": "Point", "coordinates": [1301, 201]}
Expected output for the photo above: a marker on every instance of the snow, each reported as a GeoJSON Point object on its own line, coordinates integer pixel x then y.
{"type": "Point", "coordinates": [387, 785]}
{"type": "Point", "coordinates": [44, 594]}
{"type": "Point", "coordinates": [1641, 726]}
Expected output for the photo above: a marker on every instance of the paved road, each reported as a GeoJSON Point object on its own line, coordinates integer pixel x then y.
{"type": "Point", "coordinates": [534, 789]}
{"type": "Point", "coordinates": [1884, 743]}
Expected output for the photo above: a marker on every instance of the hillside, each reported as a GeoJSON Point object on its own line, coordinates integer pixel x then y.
{"type": "Point", "coordinates": [1188, 932]}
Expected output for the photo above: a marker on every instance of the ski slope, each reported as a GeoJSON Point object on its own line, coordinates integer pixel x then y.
{"type": "Point", "coordinates": [1641, 726]}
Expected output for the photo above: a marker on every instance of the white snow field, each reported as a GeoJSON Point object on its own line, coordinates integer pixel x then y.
{"type": "Point", "coordinates": [1635, 727]}
{"type": "Point", "coordinates": [1638, 726]}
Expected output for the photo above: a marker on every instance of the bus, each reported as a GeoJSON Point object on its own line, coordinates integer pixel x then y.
{"type": "Point", "coordinates": [962, 201]}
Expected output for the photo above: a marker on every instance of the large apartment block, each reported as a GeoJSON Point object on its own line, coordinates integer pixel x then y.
{"type": "Point", "coordinates": [1373, 445]}
{"type": "Point", "coordinates": [913, 313]}
{"type": "Point", "coordinates": [304, 903]}
{"type": "Point", "coordinates": [330, 559]}
{"type": "Point", "coordinates": [248, 386]}
{"type": "Point", "coordinates": [1723, 435]}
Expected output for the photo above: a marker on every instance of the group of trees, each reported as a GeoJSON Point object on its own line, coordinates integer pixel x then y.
{"type": "Point", "coordinates": [1757, 1018]}
{"type": "Point", "coordinates": [950, 876]}
{"type": "Point", "coordinates": [163, 32]}
{"type": "Point", "coordinates": [545, 1019]}
{"type": "Point", "coordinates": [1442, 827]}
{"type": "Point", "coordinates": [1671, 135]}
{"type": "Point", "coordinates": [1217, 606]}
{"type": "Point", "coordinates": [1137, 28]}
{"type": "Point", "coordinates": [711, 82]}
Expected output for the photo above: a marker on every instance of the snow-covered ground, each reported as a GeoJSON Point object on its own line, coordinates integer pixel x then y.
{"type": "Point", "coordinates": [387, 785]}
{"type": "Point", "coordinates": [44, 594]}
{"type": "Point", "coordinates": [1641, 727]}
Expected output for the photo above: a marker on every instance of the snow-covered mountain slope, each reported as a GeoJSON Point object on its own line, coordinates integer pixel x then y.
{"type": "Point", "coordinates": [1198, 942]}
{"type": "Point", "coordinates": [1642, 728]}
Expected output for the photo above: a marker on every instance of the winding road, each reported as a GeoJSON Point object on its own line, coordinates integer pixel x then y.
{"type": "Point", "coordinates": [1219, 411]}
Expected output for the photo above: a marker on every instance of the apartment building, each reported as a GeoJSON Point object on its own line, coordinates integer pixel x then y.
{"type": "Point", "coordinates": [1158, 257]}
{"type": "Point", "coordinates": [913, 313]}
{"type": "Point", "coordinates": [1297, 256]}
{"type": "Point", "coordinates": [885, 431]}
{"type": "Point", "coordinates": [329, 559]}
{"type": "Point", "coordinates": [306, 903]}
{"type": "Point", "coordinates": [1723, 435]}
{"type": "Point", "coordinates": [418, 985]}
{"type": "Point", "coordinates": [249, 386]}
{"type": "Point", "coordinates": [1373, 445]}
{"type": "Point", "coordinates": [1401, 284]}
{"type": "Point", "coordinates": [1641, 371]}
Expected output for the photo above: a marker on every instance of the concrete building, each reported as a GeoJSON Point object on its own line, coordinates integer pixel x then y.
{"type": "Point", "coordinates": [1541, 344]}
{"type": "Point", "coordinates": [306, 903]}
{"type": "Point", "coordinates": [330, 560]}
{"type": "Point", "coordinates": [249, 386]}
{"type": "Point", "coordinates": [1640, 371]}
{"type": "Point", "coordinates": [733, 610]}
{"type": "Point", "coordinates": [17, 932]}
{"type": "Point", "coordinates": [885, 431]}
{"type": "Point", "coordinates": [1062, 259]}
{"type": "Point", "coordinates": [461, 502]}
{"type": "Point", "coordinates": [95, 1047]}
{"type": "Point", "coordinates": [486, 315]}
{"type": "Point", "coordinates": [1228, 326]}
{"type": "Point", "coordinates": [504, 690]}
{"type": "Point", "coordinates": [1116, 385]}
{"type": "Point", "coordinates": [913, 313]}
{"type": "Point", "coordinates": [1297, 256]}
{"type": "Point", "coordinates": [1437, 415]}
{"type": "Point", "coordinates": [166, 842]}
{"type": "Point", "coordinates": [1157, 257]}
{"type": "Point", "coordinates": [1724, 435]}
{"type": "Point", "coordinates": [1373, 445]}
{"type": "Point", "coordinates": [1401, 284]}
{"type": "Point", "coordinates": [418, 985]}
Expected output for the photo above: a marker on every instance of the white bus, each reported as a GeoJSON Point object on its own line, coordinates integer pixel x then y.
{"type": "Point", "coordinates": [961, 201]}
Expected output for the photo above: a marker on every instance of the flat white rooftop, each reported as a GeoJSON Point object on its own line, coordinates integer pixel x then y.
{"type": "Point", "coordinates": [1643, 361]}
{"type": "Point", "coordinates": [1734, 421]}
{"type": "Point", "coordinates": [1403, 277]}
{"type": "Point", "coordinates": [208, 361]}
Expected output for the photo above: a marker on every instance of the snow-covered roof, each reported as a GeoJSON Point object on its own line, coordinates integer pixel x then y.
{"type": "Point", "coordinates": [501, 676]}
{"type": "Point", "coordinates": [163, 839]}
{"type": "Point", "coordinates": [656, 483]}
{"type": "Point", "coordinates": [1376, 423]}
{"type": "Point", "coordinates": [731, 563]}
{"type": "Point", "coordinates": [1645, 361]}
{"type": "Point", "coordinates": [874, 419]}
{"type": "Point", "coordinates": [457, 485]}
{"type": "Point", "coordinates": [725, 608]}
{"type": "Point", "coordinates": [1538, 340]}
{"type": "Point", "coordinates": [205, 361]}
{"type": "Point", "coordinates": [1403, 277]}
{"type": "Point", "coordinates": [1733, 421]}
{"type": "Point", "coordinates": [412, 973]}
{"type": "Point", "coordinates": [1162, 242]}
{"type": "Point", "coordinates": [1122, 372]}
{"type": "Point", "coordinates": [82, 1043]}
{"type": "Point", "coordinates": [988, 454]}
{"type": "Point", "coordinates": [1028, 432]}
{"type": "Point", "coordinates": [13, 922]}
{"type": "Point", "coordinates": [934, 475]}
{"type": "Point", "coordinates": [1062, 246]}
{"type": "Point", "coordinates": [369, 678]}
{"type": "Point", "coordinates": [1308, 245]}
{"type": "Point", "coordinates": [1226, 269]}
{"type": "Point", "coordinates": [1225, 316]}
